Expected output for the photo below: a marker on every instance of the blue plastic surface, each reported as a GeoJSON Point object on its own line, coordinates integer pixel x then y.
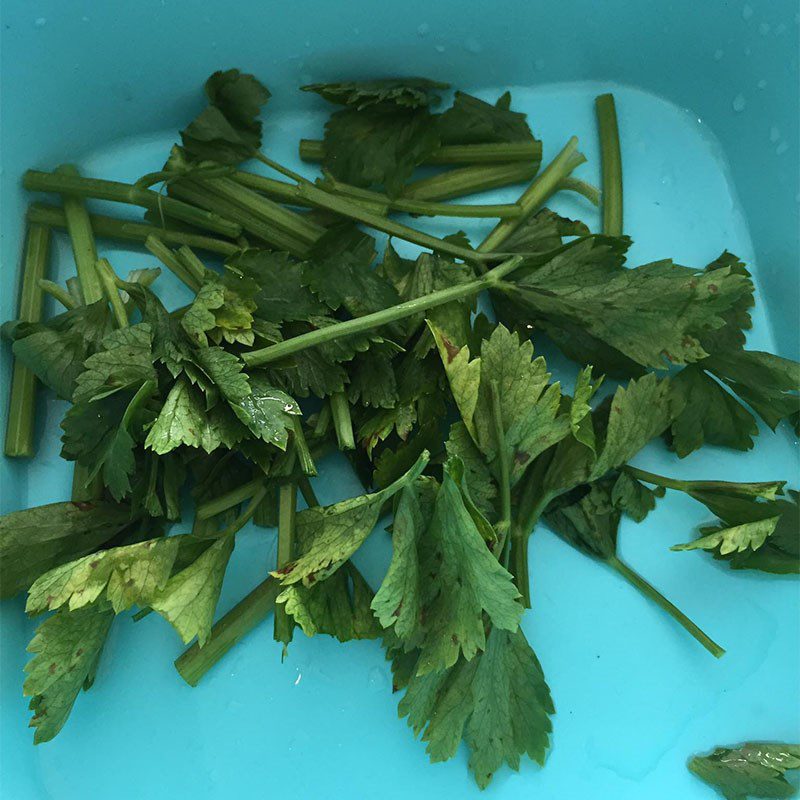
{"type": "Point", "coordinates": [710, 154]}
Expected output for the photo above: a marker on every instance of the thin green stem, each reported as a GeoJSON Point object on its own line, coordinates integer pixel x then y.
{"type": "Point", "coordinates": [143, 394]}
{"type": "Point", "coordinates": [323, 420]}
{"type": "Point", "coordinates": [20, 427]}
{"type": "Point", "coordinates": [74, 289]}
{"type": "Point", "coordinates": [227, 500]}
{"type": "Point", "coordinates": [587, 190]}
{"type": "Point", "coordinates": [342, 421]}
{"type": "Point", "coordinates": [108, 281]}
{"type": "Point", "coordinates": [267, 210]}
{"type": "Point", "coordinates": [71, 183]}
{"type": "Point", "coordinates": [313, 338]}
{"type": "Point", "coordinates": [766, 489]}
{"type": "Point", "coordinates": [196, 661]}
{"type": "Point", "coordinates": [287, 508]}
{"type": "Point", "coordinates": [611, 160]}
{"type": "Point", "coordinates": [288, 192]}
{"type": "Point", "coordinates": [84, 249]}
{"type": "Point", "coordinates": [124, 230]}
{"type": "Point", "coordinates": [347, 208]}
{"type": "Point", "coordinates": [168, 258]}
{"type": "Point", "coordinates": [307, 490]}
{"type": "Point", "coordinates": [285, 171]}
{"type": "Point", "coordinates": [204, 196]}
{"type": "Point", "coordinates": [469, 180]}
{"type": "Point", "coordinates": [84, 488]}
{"type": "Point", "coordinates": [58, 293]}
{"type": "Point", "coordinates": [195, 267]}
{"type": "Point", "coordinates": [301, 446]}
{"type": "Point", "coordinates": [248, 513]}
{"type": "Point", "coordinates": [421, 207]}
{"type": "Point", "coordinates": [502, 459]}
{"type": "Point", "coordinates": [500, 153]}
{"type": "Point", "coordinates": [536, 194]}
{"type": "Point", "coordinates": [653, 594]}
{"type": "Point", "coordinates": [518, 564]}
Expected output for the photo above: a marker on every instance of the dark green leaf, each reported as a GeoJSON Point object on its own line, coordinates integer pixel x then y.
{"type": "Point", "coordinates": [755, 769]}
{"type": "Point", "coordinates": [708, 414]}
{"type": "Point", "coordinates": [55, 352]}
{"type": "Point", "coordinates": [498, 703]}
{"type": "Point", "coordinates": [403, 92]}
{"type": "Point", "coordinates": [339, 272]}
{"type": "Point", "coordinates": [378, 148]}
{"type": "Point", "coordinates": [473, 121]}
{"type": "Point", "coordinates": [41, 538]}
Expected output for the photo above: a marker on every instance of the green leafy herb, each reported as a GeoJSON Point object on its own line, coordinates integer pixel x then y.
{"type": "Point", "coordinates": [66, 649]}
{"type": "Point", "coordinates": [473, 121]}
{"type": "Point", "coordinates": [755, 769]}
{"type": "Point", "coordinates": [498, 703]}
{"type": "Point", "coordinates": [228, 130]}
{"type": "Point", "coordinates": [419, 370]}
{"type": "Point", "coordinates": [404, 92]}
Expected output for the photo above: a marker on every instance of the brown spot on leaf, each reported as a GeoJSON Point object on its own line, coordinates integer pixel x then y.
{"type": "Point", "coordinates": [52, 668]}
{"type": "Point", "coordinates": [94, 564]}
{"type": "Point", "coordinates": [452, 350]}
{"type": "Point", "coordinates": [396, 612]}
{"type": "Point", "coordinates": [285, 570]}
{"type": "Point", "coordinates": [79, 652]}
{"type": "Point", "coordinates": [521, 457]}
{"type": "Point", "coordinates": [81, 506]}
{"type": "Point", "coordinates": [712, 287]}
{"type": "Point", "coordinates": [454, 639]}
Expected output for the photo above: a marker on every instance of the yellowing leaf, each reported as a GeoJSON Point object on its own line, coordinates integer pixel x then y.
{"type": "Point", "coordinates": [123, 575]}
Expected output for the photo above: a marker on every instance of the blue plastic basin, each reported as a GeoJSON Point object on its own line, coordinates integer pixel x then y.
{"type": "Point", "coordinates": [707, 97]}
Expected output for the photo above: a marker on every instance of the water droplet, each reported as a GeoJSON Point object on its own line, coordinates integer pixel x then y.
{"type": "Point", "coordinates": [718, 54]}
{"type": "Point", "coordinates": [424, 29]}
{"type": "Point", "coordinates": [538, 65]}
{"type": "Point", "coordinates": [762, 84]}
{"type": "Point", "coordinates": [440, 48]}
{"type": "Point", "coordinates": [739, 103]}
{"type": "Point", "coordinates": [774, 133]}
{"type": "Point", "coordinates": [747, 12]}
{"type": "Point", "coordinates": [666, 179]}
{"type": "Point", "coordinates": [764, 28]}
{"type": "Point", "coordinates": [84, 19]}
{"type": "Point", "coordinates": [473, 46]}
{"type": "Point", "coordinates": [40, 22]}
{"type": "Point", "coordinates": [781, 148]}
